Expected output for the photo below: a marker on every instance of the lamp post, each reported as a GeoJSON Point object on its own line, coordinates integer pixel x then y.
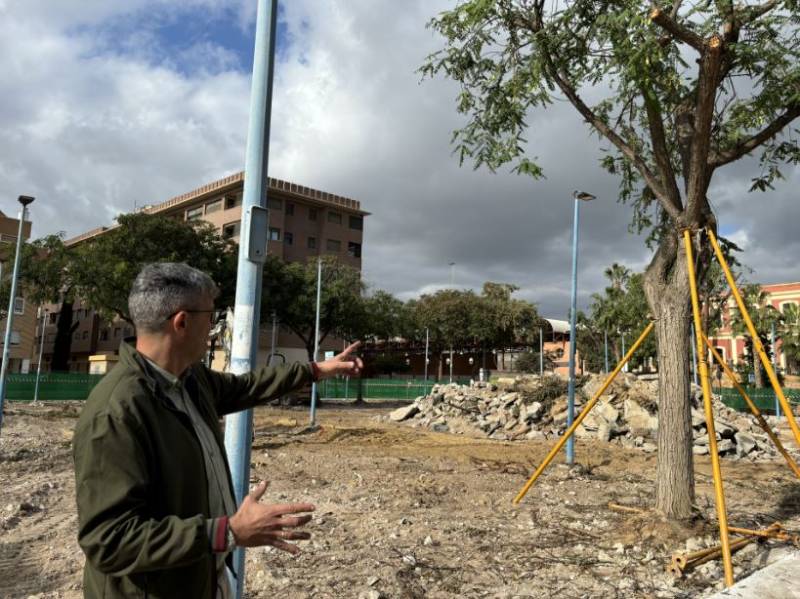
{"type": "Point", "coordinates": [41, 351]}
{"type": "Point", "coordinates": [452, 284]}
{"type": "Point", "coordinates": [24, 200]}
{"type": "Point", "coordinates": [579, 196]}
{"type": "Point", "coordinates": [316, 342]}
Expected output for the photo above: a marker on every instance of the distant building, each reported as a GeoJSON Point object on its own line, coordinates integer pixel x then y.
{"type": "Point", "coordinates": [303, 223]}
{"type": "Point", "coordinates": [21, 352]}
{"type": "Point", "coordinates": [732, 347]}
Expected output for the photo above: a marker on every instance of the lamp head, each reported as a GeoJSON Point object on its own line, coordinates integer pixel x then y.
{"type": "Point", "coordinates": [25, 200]}
{"type": "Point", "coordinates": [584, 196]}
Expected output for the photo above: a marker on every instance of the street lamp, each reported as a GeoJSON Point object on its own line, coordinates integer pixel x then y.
{"type": "Point", "coordinates": [41, 351]}
{"type": "Point", "coordinates": [579, 196]}
{"type": "Point", "coordinates": [452, 284]}
{"type": "Point", "coordinates": [24, 200]}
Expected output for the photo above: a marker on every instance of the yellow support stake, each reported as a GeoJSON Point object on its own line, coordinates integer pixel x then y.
{"type": "Point", "coordinates": [787, 409]}
{"type": "Point", "coordinates": [702, 365]}
{"type": "Point", "coordinates": [583, 414]}
{"type": "Point", "coordinates": [753, 408]}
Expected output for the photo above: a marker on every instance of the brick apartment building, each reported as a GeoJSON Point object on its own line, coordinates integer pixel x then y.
{"type": "Point", "coordinates": [732, 347]}
{"type": "Point", "coordinates": [303, 223]}
{"type": "Point", "coordinates": [21, 352]}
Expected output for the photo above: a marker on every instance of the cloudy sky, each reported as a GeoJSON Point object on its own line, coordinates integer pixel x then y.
{"type": "Point", "coordinates": [111, 104]}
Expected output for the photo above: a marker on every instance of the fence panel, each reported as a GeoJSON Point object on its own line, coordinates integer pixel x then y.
{"type": "Point", "coordinates": [395, 389]}
{"type": "Point", "coordinates": [55, 386]}
{"type": "Point", "coordinates": [763, 398]}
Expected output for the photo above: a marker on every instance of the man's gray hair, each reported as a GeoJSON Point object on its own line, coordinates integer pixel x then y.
{"type": "Point", "coordinates": [163, 288]}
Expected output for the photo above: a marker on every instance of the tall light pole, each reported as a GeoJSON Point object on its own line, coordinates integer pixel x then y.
{"type": "Point", "coordinates": [452, 284]}
{"type": "Point", "coordinates": [41, 351]}
{"type": "Point", "coordinates": [316, 341]}
{"type": "Point", "coordinates": [252, 254]}
{"type": "Point", "coordinates": [24, 200]}
{"type": "Point", "coordinates": [579, 196]}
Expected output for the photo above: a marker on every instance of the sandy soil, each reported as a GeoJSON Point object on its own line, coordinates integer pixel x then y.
{"type": "Point", "coordinates": [403, 512]}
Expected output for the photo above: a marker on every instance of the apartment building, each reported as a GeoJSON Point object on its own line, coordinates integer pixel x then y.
{"type": "Point", "coordinates": [303, 223]}
{"type": "Point", "coordinates": [731, 346]}
{"type": "Point", "coordinates": [22, 345]}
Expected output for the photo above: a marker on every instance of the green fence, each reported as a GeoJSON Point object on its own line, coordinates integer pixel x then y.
{"type": "Point", "coordinates": [763, 398]}
{"type": "Point", "coordinates": [52, 386]}
{"type": "Point", "coordinates": [397, 389]}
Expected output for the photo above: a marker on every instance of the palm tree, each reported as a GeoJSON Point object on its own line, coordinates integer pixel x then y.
{"type": "Point", "coordinates": [790, 337]}
{"type": "Point", "coordinates": [764, 317]}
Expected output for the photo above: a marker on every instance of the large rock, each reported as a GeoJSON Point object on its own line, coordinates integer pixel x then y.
{"type": "Point", "coordinates": [403, 413]}
{"type": "Point", "coordinates": [745, 444]}
{"type": "Point", "coordinates": [639, 420]}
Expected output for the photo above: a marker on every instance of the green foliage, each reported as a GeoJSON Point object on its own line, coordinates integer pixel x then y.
{"type": "Point", "coordinates": [677, 89]}
{"type": "Point", "coordinates": [104, 268]}
{"type": "Point", "coordinates": [528, 362]}
{"type": "Point", "coordinates": [290, 290]}
{"type": "Point", "coordinates": [388, 364]}
{"type": "Point", "coordinates": [789, 330]}
{"type": "Point", "coordinates": [621, 308]}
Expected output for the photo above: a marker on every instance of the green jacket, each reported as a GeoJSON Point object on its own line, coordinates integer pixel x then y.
{"type": "Point", "coordinates": [140, 478]}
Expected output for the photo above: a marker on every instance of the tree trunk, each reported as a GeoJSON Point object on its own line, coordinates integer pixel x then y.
{"type": "Point", "coordinates": [63, 342]}
{"type": "Point", "coordinates": [758, 367]}
{"type": "Point", "coordinates": [667, 290]}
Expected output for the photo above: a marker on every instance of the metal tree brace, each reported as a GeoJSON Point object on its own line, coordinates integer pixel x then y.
{"type": "Point", "coordinates": [701, 339]}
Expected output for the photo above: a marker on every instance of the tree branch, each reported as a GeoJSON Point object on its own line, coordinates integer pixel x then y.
{"type": "Point", "coordinates": [750, 144]}
{"type": "Point", "coordinates": [675, 29]}
{"type": "Point", "coordinates": [700, 169]}
{"type": "Point", "coordinates": [751, 13]}
{"type": "Point", "coordinates": [660, 150]}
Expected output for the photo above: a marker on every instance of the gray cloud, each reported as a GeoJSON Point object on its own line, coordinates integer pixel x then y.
{"type": "Point", "coordinates": [92, 133]}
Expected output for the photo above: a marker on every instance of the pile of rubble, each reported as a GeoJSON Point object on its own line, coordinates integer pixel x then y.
{"type": "Point", "coordinates": [533, 407]}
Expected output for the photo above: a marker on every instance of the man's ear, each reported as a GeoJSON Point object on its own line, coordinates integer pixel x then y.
{"type": "Point", "coordinates": [179, 321]}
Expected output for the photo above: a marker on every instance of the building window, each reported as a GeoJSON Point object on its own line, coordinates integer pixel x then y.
{"type": "Point", "coordinates": [231, 230]}
{"type": "Point", "coordinates": [233, 200]}
{"type": "Point", "coordinates": [312, 214]}
{"type": "Point", "coordinates": [354, 249]}
{"type": "Point", "coordinates": [785, 305]}
{"type": "Point", "coordinates": [104, 335]}
{"type": "Point", "coordinates": [116, 332]}
{"type": "Point", "coordinates": [289, 209]}
{"type": "Point", "coordinates": [19, 305]}
{"type": "Point", "coordinates": [274, 234]}
{"type": "Point", "coordinates": [51, 318]}
{"type": "Point", "coordinates": [312, 243]}
{"type": "Point", "coordinates": [357, 223]}
{"type": "Point", "coordinates": [15, 338]}
{"type": "Point", "coordinates": [335, 217]}
{"type": "Point", "coordinates": [333, 245]}
{"type": "Point", "coordinates": [194, 213]}
{"type": "Point", "coordinates": [213, 206]}
{"type": "Point", "coordinates": [288, 238]}
{"type": "Point", "coordinates": [274, 204]}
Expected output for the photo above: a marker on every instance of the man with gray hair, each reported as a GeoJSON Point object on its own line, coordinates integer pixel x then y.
{"type": "Point", "coordinates": [156, 510]}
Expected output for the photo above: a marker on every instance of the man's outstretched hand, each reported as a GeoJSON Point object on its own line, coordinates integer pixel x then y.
{"type": "Point", "coordinates": [256, 524]}
{"type": "Point", "coordinates": [346, 363]}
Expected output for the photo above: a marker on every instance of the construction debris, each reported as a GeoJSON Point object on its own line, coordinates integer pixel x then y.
{"type": "Point", "coordinates": [533, 407]}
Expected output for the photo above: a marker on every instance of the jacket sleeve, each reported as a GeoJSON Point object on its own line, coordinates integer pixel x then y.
{"type": "Point", "coordinates": [233, 393]}
{"type": "Point", "coordinates": [115, 531]}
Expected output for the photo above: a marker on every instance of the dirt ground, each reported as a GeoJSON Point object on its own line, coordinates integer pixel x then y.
{"type": "Point", "coordinates": [404, 512]}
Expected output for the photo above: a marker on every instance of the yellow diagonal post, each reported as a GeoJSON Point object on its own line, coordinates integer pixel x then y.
{"type": "Point", "coordinates": [583, 414]}
{"type": "Point", "coordinates": [753, 408]}
{"type": "Point", "coordinates": [702, 366]}
{"type": "Point", "coordinates": [787, 409]}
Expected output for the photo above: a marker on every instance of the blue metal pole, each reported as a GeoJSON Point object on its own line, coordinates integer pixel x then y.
{"type": "Point", "coordinates": [10, 317]}
{"type": "Point", "coordinates": [316, 341]}
{"type": "Point", "coordinates": [774, 366]}
{"type": "Point", "coordinates": [541, 352]}
{"type": "Point", "coordinates": [572, 318]}
{"type": "Point", "coordinates": [252, 252]}
{"type": "Point", "coordinates": [605, 344]}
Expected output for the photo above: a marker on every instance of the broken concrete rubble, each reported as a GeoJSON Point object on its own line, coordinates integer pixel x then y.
{"type": "Point", "coordinates": [533, 407]}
